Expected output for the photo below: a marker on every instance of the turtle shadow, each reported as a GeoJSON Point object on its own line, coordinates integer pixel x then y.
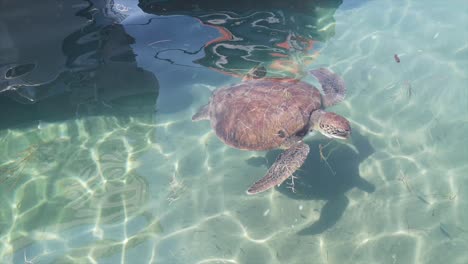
{"type": "Point", "coordinates": [318, 181]}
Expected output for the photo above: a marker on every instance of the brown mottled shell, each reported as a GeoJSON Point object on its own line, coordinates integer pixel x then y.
{"type": "Point", "coordinates": [262, 114]}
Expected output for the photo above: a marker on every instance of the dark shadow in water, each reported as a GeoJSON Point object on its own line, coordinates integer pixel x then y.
{"type": "Point", "coordinates": [317, 182]}
{"type": "Point", "coordinates": [98, 74]}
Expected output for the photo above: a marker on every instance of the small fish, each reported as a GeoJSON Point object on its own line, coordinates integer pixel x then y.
{"type": "Point", "coordinates": [410, 91]}
{"type": "Point", "coordinates": [422, 199]}
{"type": "Point", "coordinates": [444, 231]}
{"type": "Point", "coordinates": [397, 59]}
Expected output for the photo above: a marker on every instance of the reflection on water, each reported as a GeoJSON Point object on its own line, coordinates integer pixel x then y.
{"type": "Point", "coordinates": [100, 162]}
{"type": "Point", "coordinates": [98, 73]}
{"type": "Point", "coordinates": [280, 35]}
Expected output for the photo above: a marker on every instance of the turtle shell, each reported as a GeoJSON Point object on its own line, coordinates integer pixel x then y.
{"type": "Point", "coordinates": [262, 114]}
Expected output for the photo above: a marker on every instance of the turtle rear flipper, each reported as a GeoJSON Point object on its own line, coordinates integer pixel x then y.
{"type": "Point", "coordinates": [202, 114]}
{"type": "Point", "coordinates": [332, 85]}
{"type": "Point", "coordinates": [285, 165]}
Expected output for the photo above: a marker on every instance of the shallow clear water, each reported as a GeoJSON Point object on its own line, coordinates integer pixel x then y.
{"type": "Point", "coordinates": [101, 163]}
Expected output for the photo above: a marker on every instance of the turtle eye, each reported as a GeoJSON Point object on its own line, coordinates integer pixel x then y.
{"type": "Point", "coordinates": [281, 134]}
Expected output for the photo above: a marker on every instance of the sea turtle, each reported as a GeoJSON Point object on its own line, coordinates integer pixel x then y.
{"type": "Point", "coordinates": [266, 113]}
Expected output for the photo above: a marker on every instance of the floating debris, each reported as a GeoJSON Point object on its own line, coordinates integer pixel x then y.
{"type": "Point", "coordinates": [324, 158]}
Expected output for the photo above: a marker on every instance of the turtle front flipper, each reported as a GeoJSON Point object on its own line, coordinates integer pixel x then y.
{"type": "Point", "coordinates": [285, 165]}
{"type": "Point", "coordinates": [202, 114]}
{"type": "Point", "coordinates": [333, 86]}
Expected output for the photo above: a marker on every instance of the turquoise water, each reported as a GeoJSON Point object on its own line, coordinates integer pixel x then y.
{"type": "Point", "coordinates": [101, 163]}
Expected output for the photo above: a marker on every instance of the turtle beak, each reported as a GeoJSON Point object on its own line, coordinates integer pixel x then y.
{"type": "Point", "coordinates": [338, 133]}
{"type": "Point", "coordinates": [341, 134]}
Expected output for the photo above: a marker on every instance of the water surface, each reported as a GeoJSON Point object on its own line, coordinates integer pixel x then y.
{"type": "Point", "coordinates": [100, 162]}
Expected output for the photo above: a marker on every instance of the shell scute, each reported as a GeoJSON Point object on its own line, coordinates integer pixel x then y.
{"type": "Point", "coordinates": [262, 114]}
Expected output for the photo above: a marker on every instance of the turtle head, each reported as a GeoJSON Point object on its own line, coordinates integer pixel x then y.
{"type": "Point", "coordinates": [330, 124]}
